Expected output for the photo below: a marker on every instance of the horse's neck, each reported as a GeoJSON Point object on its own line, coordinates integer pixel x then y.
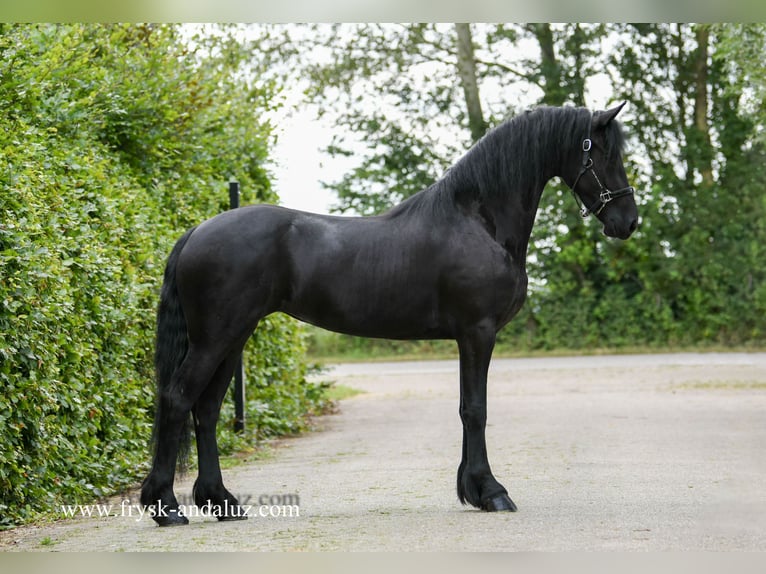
{"type": "Point", "coordinates": [511, 198]}
{"type": "Point", "coordinates": [513, 219]}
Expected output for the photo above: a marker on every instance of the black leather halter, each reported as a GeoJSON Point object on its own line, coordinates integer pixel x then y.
{"type": "Point", "coordinates": [606, 194]}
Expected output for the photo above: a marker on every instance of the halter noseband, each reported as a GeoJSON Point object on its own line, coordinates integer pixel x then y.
{"type": "Point", "coordinates": [606, 194]}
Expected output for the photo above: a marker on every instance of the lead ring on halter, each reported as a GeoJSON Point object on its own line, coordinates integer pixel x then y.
{"type": "Point", "coordinates": [606, 194]}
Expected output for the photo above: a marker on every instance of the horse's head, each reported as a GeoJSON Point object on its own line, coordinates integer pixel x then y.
{"type": "Point", "coordinates": [600, 181]}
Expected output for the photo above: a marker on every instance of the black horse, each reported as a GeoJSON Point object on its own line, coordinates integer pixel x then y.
{"type": "Point", "coordinates": [447, 263]}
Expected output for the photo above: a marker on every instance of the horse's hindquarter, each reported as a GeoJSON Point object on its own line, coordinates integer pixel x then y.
{"type": "Point", "coordinates": [231, 271]}
{"type": "Point", "coordinates": [397, 277]}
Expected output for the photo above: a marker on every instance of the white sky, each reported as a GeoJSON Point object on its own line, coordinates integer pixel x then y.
{"type": "Point", "coordinates": [300, 165]}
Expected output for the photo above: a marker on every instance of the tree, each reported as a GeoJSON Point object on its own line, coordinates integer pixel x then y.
{"type": "Point", "coordinates": [704, 193]}
{"type": "Point", "coordinates": [466, 66]}
{"type": "Point", "coordinates": [741, 53]}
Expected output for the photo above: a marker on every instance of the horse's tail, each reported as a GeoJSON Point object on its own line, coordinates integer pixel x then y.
{"type": "Point", "coordinates": [171, 346]}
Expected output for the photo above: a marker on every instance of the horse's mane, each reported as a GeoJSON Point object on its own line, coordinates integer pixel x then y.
{"type": "Point", "coordinates": [515, 156]}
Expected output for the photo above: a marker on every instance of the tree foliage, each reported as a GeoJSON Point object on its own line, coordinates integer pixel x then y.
{"type": "Point", "coordinates": [705, 193]}
{"type": "Point", "coordinates": [114, 140]}
{"type": "Point", "coordinates": [692, 274]}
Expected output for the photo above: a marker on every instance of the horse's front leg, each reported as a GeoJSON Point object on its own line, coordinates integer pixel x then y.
{"type": "Point", "coordinates": [475, 482]}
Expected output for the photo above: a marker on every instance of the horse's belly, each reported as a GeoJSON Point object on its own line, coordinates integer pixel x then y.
{"type": "Point", "coordinates": [364, 309]}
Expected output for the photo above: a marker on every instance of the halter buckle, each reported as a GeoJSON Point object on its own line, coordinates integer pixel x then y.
{"type": "Point", "coordinates": [606, 196]}
{"type": "Point", "coordinates": [587, 144]}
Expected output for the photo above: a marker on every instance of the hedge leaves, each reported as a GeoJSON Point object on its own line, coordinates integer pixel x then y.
{"type": "Point", "coordinates": [114, 140]}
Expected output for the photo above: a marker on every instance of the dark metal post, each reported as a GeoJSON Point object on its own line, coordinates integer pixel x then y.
{"type": "Point", "coordinates": [239, 369]}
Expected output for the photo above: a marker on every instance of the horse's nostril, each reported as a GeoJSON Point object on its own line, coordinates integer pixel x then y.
{"type": "Point", "coordinates": [633, 225]}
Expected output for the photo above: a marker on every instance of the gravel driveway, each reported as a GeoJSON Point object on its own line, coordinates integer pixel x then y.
{"type": "Point", "coordinates": [639, 452]}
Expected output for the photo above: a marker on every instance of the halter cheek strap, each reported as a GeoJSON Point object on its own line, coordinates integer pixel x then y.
{"type": "Point", "coordinates": [606, 194]}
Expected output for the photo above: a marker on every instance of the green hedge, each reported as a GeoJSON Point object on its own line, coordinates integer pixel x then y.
{"type": "Point", "coordinates": [114, 140]}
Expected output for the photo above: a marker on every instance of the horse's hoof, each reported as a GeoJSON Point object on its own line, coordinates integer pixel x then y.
{"type": "Point", "coordinates": [171, 518]}
{"type": "Point", "coordinates": [500, 502]}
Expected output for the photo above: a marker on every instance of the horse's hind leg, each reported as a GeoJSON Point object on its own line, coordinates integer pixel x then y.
{"type": "Point", "coordinates": [175, 404]}
{"type": "Point", "coordinates": [209, 491]}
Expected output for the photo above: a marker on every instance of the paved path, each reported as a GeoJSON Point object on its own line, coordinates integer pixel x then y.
{"type": "Point", "coordinates": [643, 452]}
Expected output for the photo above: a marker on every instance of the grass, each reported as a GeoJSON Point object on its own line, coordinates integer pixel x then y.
{"type": "Point", "coordinates": [326, 347]}
{"type": "Point", "coordinates": [261, 451]}
{"type": "Point", "coordinates": [339, 392]}
{"type": "Point", "coordinates": [723, 385]}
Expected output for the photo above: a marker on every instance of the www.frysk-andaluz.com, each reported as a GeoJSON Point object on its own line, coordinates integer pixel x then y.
{"type": "Point", "coordinates": [268, 506]}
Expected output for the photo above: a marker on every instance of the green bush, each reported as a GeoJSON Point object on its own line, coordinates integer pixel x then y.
{"type": "Point", "coordinates": [114, 139]}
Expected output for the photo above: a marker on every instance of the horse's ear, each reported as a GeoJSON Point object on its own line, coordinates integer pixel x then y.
{"type": "Point", "coordinates": [602, 120]}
